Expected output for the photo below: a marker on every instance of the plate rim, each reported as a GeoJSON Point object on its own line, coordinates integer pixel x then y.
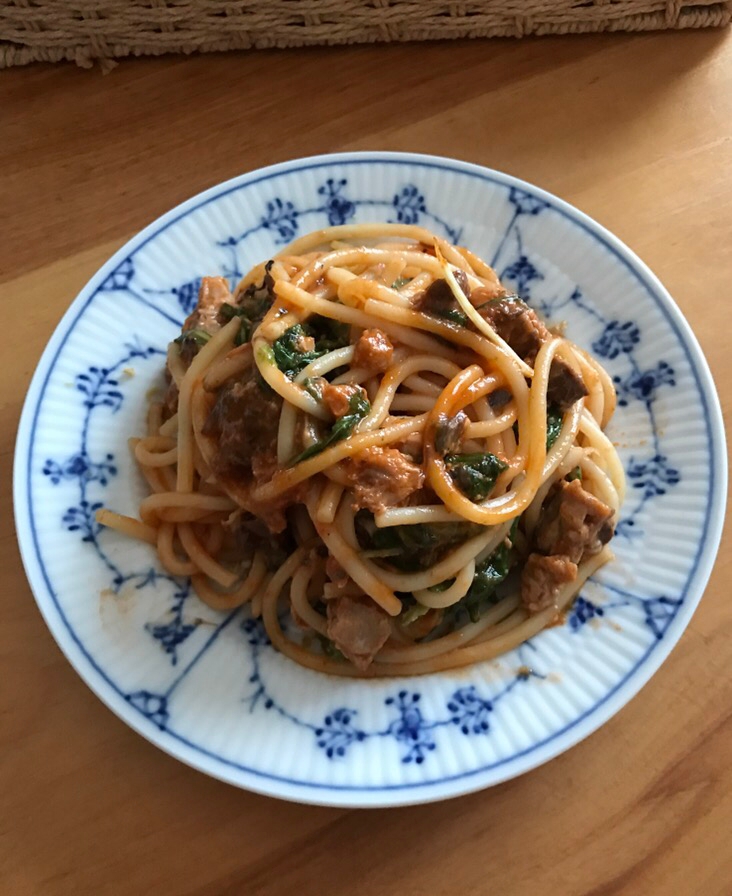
{"type": "Point", "coordinates": [354, 796]}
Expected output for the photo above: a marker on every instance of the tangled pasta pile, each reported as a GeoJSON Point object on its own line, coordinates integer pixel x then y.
{"type": "Point", "coordinates": [372, 433]}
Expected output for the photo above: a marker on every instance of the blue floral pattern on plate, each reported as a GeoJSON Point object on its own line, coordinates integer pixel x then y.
{"type": "Point", "coordinates": [410, 718]}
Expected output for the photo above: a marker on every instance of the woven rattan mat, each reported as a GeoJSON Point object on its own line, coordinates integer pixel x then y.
{"type": "Point", "coordinates": [87, 30]}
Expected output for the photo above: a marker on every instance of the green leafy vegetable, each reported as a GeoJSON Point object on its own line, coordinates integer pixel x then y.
{"type": "Point", "coordinates": [327, 335]}
{"type": "Point", "coordinates": [413, 613]}
{"type": "Point", "coordinates": [419, 547]}
{"type": "Point", "coordinates": [482, 593]}
{"type": "Point", "coordinates": [511, 298]}
{"type": "Point", "coordinates": [196, 337]}
{"type": "Point", "coordinates": [313, 385]}
{"type": "Point", "coordinates": [554, 419]}
{"type": "Point", "coordinates": [576, 473]}
{"type": "Point", "coordinates": [252, 305]}
{"type": "Point", "coordinates": [475, 474]}
{"type": "Point", "coordinates": [443, 586]}
{"type": "Point", "coordinates": [454, 316]}
{"type": "Point", "coordinates": [289, 354]}
{"type": "Point", "coordinates": [358, 408]}
{"type": "Point", "coordinates": [227, 312]}
{"type": "Point", "coordinates": [488, 576]}
{"type": "Point", "coordinates": [401, 281]}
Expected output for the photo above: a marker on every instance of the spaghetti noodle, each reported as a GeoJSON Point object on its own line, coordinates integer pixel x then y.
{"type": "Point", "coordinates": [374, 435]}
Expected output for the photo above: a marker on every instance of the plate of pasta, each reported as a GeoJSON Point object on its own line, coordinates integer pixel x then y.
{"type": "Point", "coordinates": [370, 479]}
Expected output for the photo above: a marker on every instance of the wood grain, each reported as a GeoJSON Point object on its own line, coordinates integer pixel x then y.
{"type": "Point", "coordinates": [635, 130]}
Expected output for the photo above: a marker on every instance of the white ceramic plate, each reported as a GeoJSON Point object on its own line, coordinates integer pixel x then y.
{"type": "Point", "coordinates": [208, 688]}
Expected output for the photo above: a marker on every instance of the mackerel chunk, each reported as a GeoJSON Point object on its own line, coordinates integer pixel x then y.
{"type": "Point", "coordinates": [358, 628]}
{"type": "Point", "coordinates": [573, 522]}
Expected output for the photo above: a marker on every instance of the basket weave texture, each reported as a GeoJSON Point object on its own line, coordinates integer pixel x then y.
{"type": "Point", "coordinates": [86, 30]}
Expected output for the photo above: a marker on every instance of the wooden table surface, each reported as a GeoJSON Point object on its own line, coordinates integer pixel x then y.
{"type": "Point", "coordinates": [633, 129]}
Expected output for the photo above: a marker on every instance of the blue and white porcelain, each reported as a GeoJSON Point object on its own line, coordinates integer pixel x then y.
{"type": "Point", "coordinates": [208, 688]}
